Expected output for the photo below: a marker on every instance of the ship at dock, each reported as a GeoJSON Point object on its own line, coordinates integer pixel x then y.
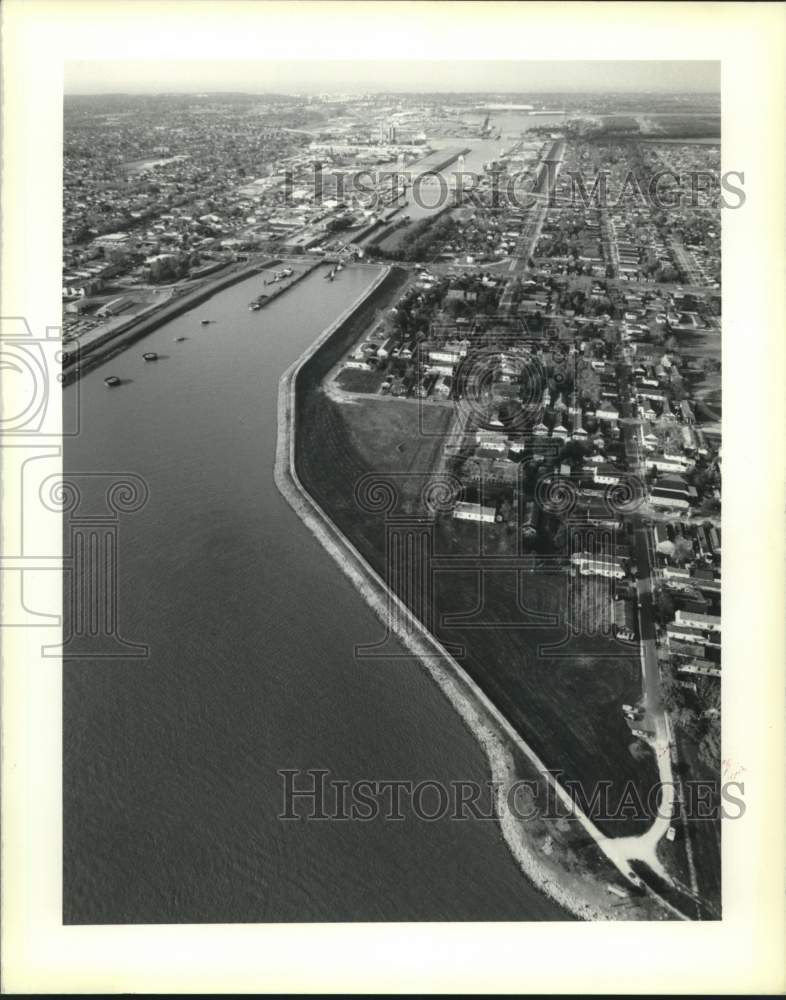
{"type": "Point", "coordinates": [285, 272]}
{"type": "Point", "coordinates": [256, 304]}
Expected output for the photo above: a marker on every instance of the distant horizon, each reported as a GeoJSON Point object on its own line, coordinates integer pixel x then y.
{"type": "Point", "coordinates": [377, 93]}
{"type": "Point", "coordinates": [455, 77]}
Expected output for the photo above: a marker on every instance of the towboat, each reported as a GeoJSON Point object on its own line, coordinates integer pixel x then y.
{"type": "Point", "coordinates": [111, 380]}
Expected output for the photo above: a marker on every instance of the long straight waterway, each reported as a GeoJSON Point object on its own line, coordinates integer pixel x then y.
{"type": "Point", "coordinates": [171, 791]}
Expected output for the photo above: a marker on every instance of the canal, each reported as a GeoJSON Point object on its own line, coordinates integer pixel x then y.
{"type": "Point", "coordinates": [171, 790]}
{"type": "Point", "coordinates": [430, 195]}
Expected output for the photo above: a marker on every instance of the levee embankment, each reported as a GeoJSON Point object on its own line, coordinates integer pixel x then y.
{"type": "Point", "coordinates": [578, 885]}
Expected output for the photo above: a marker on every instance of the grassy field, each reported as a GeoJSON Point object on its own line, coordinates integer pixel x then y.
{"type": "Point", "coordinates": [563, 693]}
{"type": "Point", "coordinates": [564, 697]}
{"type": "Point", "coordinates": [357, 380]}
{"type": "Point", "coordinates": [396, 435]}
{"type": "Point", "coordinates": [339, 443]}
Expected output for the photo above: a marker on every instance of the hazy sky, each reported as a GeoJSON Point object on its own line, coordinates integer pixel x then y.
{"type": "Point", "coordinates": [151, 76]}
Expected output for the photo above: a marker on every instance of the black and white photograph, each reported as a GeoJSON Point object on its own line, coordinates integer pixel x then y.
{"type": "Point", "coordinates": [376, 407]}
{"type": "Point", "coordinates": [454, 359]}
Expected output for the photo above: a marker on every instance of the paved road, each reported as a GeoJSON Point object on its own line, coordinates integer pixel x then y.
{"type": "Point", "coordinates": [655, 721]}
{"type": "Point", "coordinates": [529, 238]}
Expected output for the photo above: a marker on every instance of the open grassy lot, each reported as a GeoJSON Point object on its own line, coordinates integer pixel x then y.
{"type": "Point", "coordinates": [393, 435]}
{"type": "Point", "coordinates": [357, 380]}
{"type": "Point", "coordinates": [565, 697]}
{"type": "Point", "coordinates": [392, 238]}
{"type": "Point", "coordinates": [564, 693]}
{"type": "Point", "coordinates": [337, 444]}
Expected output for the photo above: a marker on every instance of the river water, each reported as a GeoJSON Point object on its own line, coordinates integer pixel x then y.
{"type": "Point", "coordinates": [170, 783]}
{"type": "Point", "coordinates": [431, 195]}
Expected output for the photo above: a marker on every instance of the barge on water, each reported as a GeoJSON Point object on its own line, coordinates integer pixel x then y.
{"type": "Point", "coordinates": [286, 272]}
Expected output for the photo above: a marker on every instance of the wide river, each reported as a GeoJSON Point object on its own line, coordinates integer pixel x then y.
{"type": "Point", "coordinates": [170, 783]}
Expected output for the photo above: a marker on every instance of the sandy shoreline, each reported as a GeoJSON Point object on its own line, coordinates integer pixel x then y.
{"type": "Point", "coordinates": [580, 893]}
